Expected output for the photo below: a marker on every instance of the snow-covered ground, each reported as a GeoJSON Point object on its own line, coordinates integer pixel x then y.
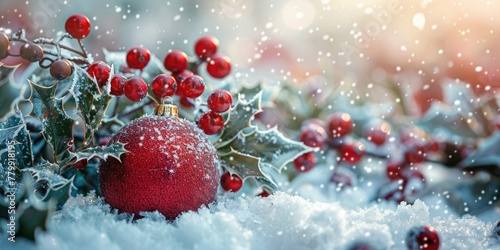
{"type": "Point", "coordinates": [280, 221]}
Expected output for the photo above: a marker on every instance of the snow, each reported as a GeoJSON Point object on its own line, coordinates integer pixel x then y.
{"type": "Point", "coordinates": [280, 221]}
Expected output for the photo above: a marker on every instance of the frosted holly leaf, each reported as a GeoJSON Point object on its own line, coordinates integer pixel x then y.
{"type": "Point", "coordinates": [270, 146]}
{"type": "Point", "coordinates": [45, 166]}
{"type": "Point", "coordinates": [467, 198]}
{"type": "Point", "coordinates": [14, 141]}
{"type": "Point", "coordinates": [52, 186]}
{"type": "Point", "coordinates": [56, 124]}
{"type": "Point", "coordinates": [462, 98]}
{"type": "Point", "coordinates": [114, 150]}
{"type": "Point", "coordinates": [268, 179]}
{"type": "Point", "coordinates": [241, 164]}
{"type": "Point", "coordinates": [442, 117]}
{"type": "Point", "coordinates": [486, 157]}
{"type": "Point", "coordinates": [90, 101]}
{"type": "Point", "coordinates": [454, 92]}
{"type": "Point", "coordinates": [240, 117]}
{"type": "Point", "coordinates": [10, 91]}
{"type": "Point", "coordinates": [118, 60]}
{"type": "Point", "coordinates": [31, 213]}
{"type": "Point", "coordinates": [48, 171]}
{"type": "Point", "coordinates": [251, 93]}
{"type": "Point", "coordinates": [247, 166]}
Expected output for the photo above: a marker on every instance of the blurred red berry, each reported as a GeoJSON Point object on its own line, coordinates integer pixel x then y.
{"type": "Point", "coordinates": [206, 46]}
{"type": "Point", "coordinates": [78, 26]}
{"type": "Point", "coordinates": [305, 162]}
{"type": "Point", "coordinates": [219, 66]}
{"type": "Point", "coordinates": [175, 61]}
{"type": "Point", "coordinates": [138, 57]}
{"type": "Point", "coordinates": [339, 125]}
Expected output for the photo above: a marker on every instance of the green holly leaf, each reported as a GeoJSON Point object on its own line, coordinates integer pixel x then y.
{"type": "Point", "coordinates": [114, 150]}
{"type": "Point", "coordinates": [474, 198]}
{"type": "Point", "coordinates": [13, 131]}
{"type": "Point", "coordinates": [249, 151]}
{"type": "Point", "coordinates": [45, 166]}
{"type": "Point", "coordinates": [10, 91]}
{"type": "Point", "coordinates": [57, 125]}
{"type": "Point", "coordinates": [52, 186]}
{"type": "Point", "coordinates": [486, 157]}
{"type": "Point", "coordinates": [441, 117]}
{"type": "Point", "coordinates": [271, 146]}
{"type": "Point", "coordinates": [240, 117]}
{"type": "Point", "coordinates": [90, 101]}
{"type": "Point", "coordinates": [49, 172]}
{"type": "Point", "coordinates": [247, 166]}
{"type": "Point", "coordinates": [241, 164]}
{"type": "Point", "coordinates": [31, 213]}
{"type": "Point", "coordinates": [251, 93]}
{"type": "Point", "coordinates": [15, 149]}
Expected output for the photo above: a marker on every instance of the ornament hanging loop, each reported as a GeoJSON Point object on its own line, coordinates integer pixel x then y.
{"type": "Point", "coordinates": [167, 109]}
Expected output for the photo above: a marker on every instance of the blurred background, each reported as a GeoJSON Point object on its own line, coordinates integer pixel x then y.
{"type": "Point", "coordinates": [414, 45]}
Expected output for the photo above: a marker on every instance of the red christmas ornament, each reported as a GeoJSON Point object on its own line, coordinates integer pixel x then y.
{"type": "Point", "coordinates": [170, 166]}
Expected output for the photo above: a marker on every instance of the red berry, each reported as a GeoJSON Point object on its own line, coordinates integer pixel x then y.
{"type": "Point", "coordinates": [415, 153]}
{"type": "Point", "coordinates": [176, 61]}
{"type": "Point", "coordinates": [78, 26]}
{"type": "Point", "coordinates": [192, 86]}
{"type": "Point", "coordinates": [81, 164]}
{"type": "Point", "coordinates": [496, 121]}
{"type": "Point", "coordinates": [434, 145]}
{"type": "Point", "coordinates": [394, 170]}
{"type": "Point", "coordinates": [61, 69]}
{"type": "Point", "coordinates": [313, 135]}
{"type": "Point", "coordinates": [377, 131]}
{"type": "Point", "coordinates": [305, 162]}
{"type": "Point", "coordinates": [219, 66]}
{"type": "Point", "coordinates": [117, 83]}
{"type": "Point", "coordinates": [422, 237]}
{"type": "Point", "coordinates": [186, 102]}
{"type": "Point", "coordinates": [339, 125]}
{"type": "Point", "coordinates": [181, 75]}
{"type": "Point", "coordinates": [164, 85]}
{"type": "Point", "coordinates": [352, 151]}
{"type": "Point", "coordinates": [206, 46]}
{"type": "Point", "coordinates": [231, 182]}
{"type": "Point", "coordinates": [101, 71]}
{"type": "Point", "coordinates": [264, 194]}
{"type": "Point", "coordinates": [31, 52]}
{"type": "Point", "coordinates": [220, 101]}
{"type": "Point", "coordinates": [4, 46]}
{"type": "Point", "coordinates": [170, 166]}
{"type": "Point", "coordinates": [211, 123]}
{"type": "Point", "coordinates": [135, 89]}
{"type": "Point", "coordinates": [359, 245]}
{"type": "Point", "coordinates": [138, 57]}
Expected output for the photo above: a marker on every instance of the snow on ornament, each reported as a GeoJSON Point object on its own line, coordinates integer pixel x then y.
{"type": "Point", "coordinates": [170, 166]}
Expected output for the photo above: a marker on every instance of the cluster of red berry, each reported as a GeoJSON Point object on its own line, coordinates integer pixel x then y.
{"type": "Point", "coordinates": [405, 178]}
{"type": "Point", "coordinates": [332, 135]}
{"type": "Point", "coordinates": [77, 27]}
{"type": "Point", "coordinates": [404, 175]}
{"type": "Point", "coordinates": [181, 82]}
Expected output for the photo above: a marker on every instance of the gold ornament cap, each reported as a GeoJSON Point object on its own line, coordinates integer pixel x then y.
{"type": "Point", "coordinates": [168, 109]}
